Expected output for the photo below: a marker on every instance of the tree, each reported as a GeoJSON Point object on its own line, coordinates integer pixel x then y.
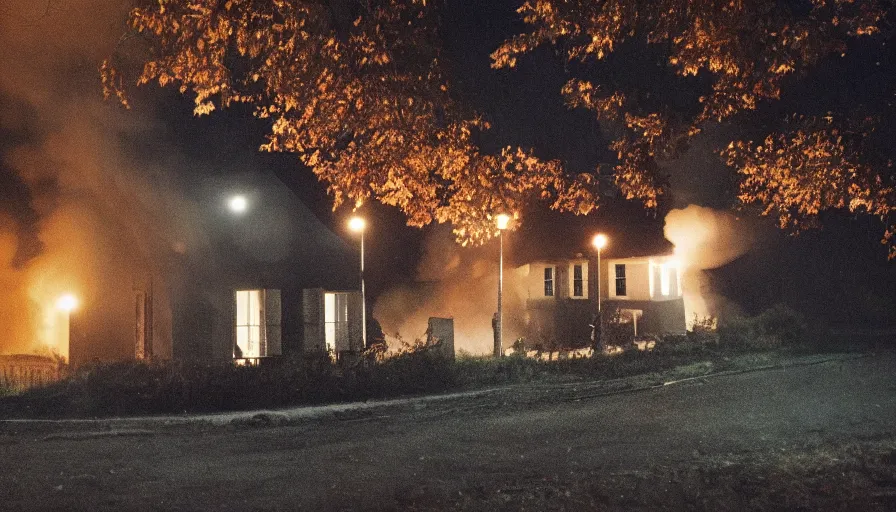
{"type": "Point", "coordinates": [739, 53]}
{"type": "Point", "coordinates": [356, 90]}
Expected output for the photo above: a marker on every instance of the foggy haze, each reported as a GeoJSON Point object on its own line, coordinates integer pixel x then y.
{"type": "Point", "coordinates": [460, 283]}
{"type": "Point", "coordinates": [98, 199]}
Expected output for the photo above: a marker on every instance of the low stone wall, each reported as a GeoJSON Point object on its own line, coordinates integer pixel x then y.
{"type": "Point", "coordinates": [22, 371]}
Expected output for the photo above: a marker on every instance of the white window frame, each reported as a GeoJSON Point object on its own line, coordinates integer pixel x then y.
{"type": "Point", "coordinates": [615, 279]}
{"type": "Point", "coordinates": [572, 280]}
{"type": "Point", "coordinates": [254, 324]}
{"type": "Point", "coordinates": [552, 280]}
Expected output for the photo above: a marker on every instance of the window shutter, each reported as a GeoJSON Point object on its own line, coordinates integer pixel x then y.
{"type": "Point", "coordinates": [273, 312]}
{"type": "Point", "coordinates": [313, 319]}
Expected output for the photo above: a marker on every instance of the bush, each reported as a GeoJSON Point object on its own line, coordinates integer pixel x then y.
{"type": "Point", "coordinates": [775, 327]}
{"type": "Point", "coordinates": [703, 330]}
{"type": "Point", "coordinates": [616, 332]}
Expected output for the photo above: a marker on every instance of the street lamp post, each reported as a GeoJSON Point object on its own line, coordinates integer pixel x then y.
{"type": "Point", "coordinates": [600, 241]}
{"type": "Point", "coordinates": [358, 225]}
{"type": "Point", "coordinates": [502, 221]}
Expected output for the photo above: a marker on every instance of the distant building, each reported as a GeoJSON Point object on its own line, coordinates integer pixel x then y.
{"type": "Point", "coordinates": [561, 301]}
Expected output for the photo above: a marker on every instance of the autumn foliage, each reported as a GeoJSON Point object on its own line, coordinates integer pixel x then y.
{"type": "Point", "coordinates": [744, 50]}
{"type": "Point", "coordinates": [356, 90]}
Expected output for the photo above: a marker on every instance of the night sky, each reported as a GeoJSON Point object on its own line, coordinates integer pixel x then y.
{"type": "Point", "coordinates": [844, 261]}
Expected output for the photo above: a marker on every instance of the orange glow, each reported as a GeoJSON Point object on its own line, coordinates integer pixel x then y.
{"type": "Point", "coordinates": [67, 303]}
{"type": "Point", "coordinates": [600, 241]}
{"type": "Point", "coordinates": [502, 220]}
{"type": "Point", "coordinates": [357, 224]}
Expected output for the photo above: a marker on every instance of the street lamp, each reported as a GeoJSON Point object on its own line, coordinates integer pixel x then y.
{"type": "Point", "coordinates": [238, 204]}
{"type": "Point", "coordinates": [599, 242]}
{"type": "Point", "coordinates": [358, 225]}
{"type": "Point", "coordinates": [502, 220]}
{"type": "Point", "coordinates": [67, 303]}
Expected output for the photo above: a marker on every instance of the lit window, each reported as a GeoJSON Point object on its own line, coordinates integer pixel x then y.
{"type": "Point", "coordinates": [248, 324]}
{"type": "Point", "coordinates": [256, 324]}
{"type": "Point", "coordinates": [664, 279]}
{"type": "Point", "coordinates": [578, 283]}
{"type": "Point", "coordinates": [549, 281]}
{"type": "Point", "coordinates": [620, 281]}
{"type": "Point", "coordinates": [336, 320]}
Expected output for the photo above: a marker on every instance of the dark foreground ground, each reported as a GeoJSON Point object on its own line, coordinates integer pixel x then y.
{"type": "Point", "coordinates": [821, 435]}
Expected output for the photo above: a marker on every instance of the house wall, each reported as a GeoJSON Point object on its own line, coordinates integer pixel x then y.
{"type": "Point", "coordinates": [637, 279]}
{"type": "Point", "coordinates": [660, 317]}
{"type": "Point", "coordinates": [313, 331]}
{"type": "Point", "coordinates": [561, 318]}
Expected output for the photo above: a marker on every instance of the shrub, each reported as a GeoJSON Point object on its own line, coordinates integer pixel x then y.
{"type": "Point", "coordinates": [788, 326]}
{"type": "Point", "coordinates": [615, 331]}
{"type": "Point", "coordinates": [775, 327]}
{"type": "Point", "coordinates": [703, 330]}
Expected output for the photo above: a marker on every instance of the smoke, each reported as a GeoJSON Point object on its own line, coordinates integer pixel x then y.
{"type": "Point", "coordinates": [82, 212]}
{"type": "Point", "coordinates": [459, 283]}
{"type": "Point", "coordinates": [705, 239]}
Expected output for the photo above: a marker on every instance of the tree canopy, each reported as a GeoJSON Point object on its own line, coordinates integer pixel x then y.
{"type": "Point", "coordinates": [356, 90]}
{"type": "Point", "coordinates": [740, 53]}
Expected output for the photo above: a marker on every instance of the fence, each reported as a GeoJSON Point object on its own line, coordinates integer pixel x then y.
{"type": "Point", "coordinates": [24, 371]}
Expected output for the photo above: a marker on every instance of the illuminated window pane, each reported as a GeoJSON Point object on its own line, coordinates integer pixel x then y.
{"type": "Point", "coordinates": [248, 323]}
{"type": "Point", "coordinates": [664, 280]}
{"type": "Point", "coordinates": [242, 308]}
{"type": "Point", "coordinates": [336, 321]}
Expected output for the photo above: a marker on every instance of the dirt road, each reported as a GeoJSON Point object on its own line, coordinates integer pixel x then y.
{"type": "Point", "coordinates": [456, 452]}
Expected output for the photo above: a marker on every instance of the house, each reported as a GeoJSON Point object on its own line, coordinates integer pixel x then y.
{"type": "Point", "coordinates": [272, 281]}
{"type": "Point", "coordinates": [646, 291]}
{"type": "Point", "coordinates": [561, 296]}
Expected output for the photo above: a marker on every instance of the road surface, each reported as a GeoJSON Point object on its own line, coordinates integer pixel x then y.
{"type": "Point", "coordinates": [459, 452]}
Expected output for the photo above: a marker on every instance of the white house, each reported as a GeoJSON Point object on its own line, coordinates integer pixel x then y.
{"type": "Point", "coordinates": [561, 301]}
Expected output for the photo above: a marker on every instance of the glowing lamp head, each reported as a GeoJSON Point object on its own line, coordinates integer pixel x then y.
{"type": "Point", "coordinates": [238, 204]}
{"type": "Point", "coordinates": [357, 224]}
{"type": "Point", "coordinates": [502, 220]}
{"type": "Point", "coordinates": [600, 241]}
{"type": "Point", "coordinates": [67, 303]}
